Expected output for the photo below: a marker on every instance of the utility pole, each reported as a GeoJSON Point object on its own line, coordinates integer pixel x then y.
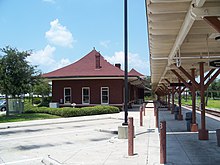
{"type": "Point", "coordinates": [126, 64]}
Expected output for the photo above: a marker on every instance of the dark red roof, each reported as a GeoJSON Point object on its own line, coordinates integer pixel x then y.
{"type": "Point", "coordinates": [133, 72]}
{"type": "Point", "coordinates": [86, 67]}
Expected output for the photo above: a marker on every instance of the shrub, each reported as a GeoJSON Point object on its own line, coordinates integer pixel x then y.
{"type": "Point", "coordinates": [73, 112]}
{"type": "Point", "coordinates": [36, 100]}
{"type": "Point", "coordinates": [45, 102]}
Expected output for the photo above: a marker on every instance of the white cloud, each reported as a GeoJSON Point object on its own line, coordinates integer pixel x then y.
{"type": "Point", "coordinates": [134, 61]}
{"type": "Point", "coordinates": [105, 43]}
{"type": "Point", "coordinates": [117, 58]}
{"type": "Point", "coordinates": [63, 62]}
{"type": "Point", "coordinates": [45, 60]}
{"type": "Point", "coordinates": [59, 35]}
{"type": "Point", "coordinates": [43, 57]}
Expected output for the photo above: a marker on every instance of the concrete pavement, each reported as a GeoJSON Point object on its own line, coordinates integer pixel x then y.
{"type": "Point", "coordinates": [184, 148]}
{"type": "Point", "coordinates": [92, 140]}
{"type": "Point", "coordinates": [80, 140]}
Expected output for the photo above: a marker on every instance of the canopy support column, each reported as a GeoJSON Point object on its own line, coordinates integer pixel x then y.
{"type": "Point", "coordinates": [194, 125]}
{"type": "Point", "coordinates": [180, 116]}
{"type": "Point", "coordinates": [203, 132]}
{"type": "Point", "coordinates": [173, 93]}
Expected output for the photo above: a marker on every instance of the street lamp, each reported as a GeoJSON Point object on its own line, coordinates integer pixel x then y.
{"type": "Point", "coordinates": [126, 64]}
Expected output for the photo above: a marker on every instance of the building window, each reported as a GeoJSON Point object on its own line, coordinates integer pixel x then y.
{"type": "Point", "coordinates": [67, 95]}
{"type": "Point", "coordinates": [85, 95]}
{"type": "Point", "coordinates": [104, 95]}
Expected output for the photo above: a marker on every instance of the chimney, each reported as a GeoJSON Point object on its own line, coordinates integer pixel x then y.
{"type": "Point", "coordinates": [118, 65]}
{"type": "Point", "coordinates": [97, 61]}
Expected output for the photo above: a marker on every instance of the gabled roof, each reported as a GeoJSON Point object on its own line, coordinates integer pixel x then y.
{"type": "Point", "coordinates": [86, 67]}
{"type": "Point", "coordinates": [133, 72]}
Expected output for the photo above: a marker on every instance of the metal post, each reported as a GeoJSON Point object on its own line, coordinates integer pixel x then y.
{"type": "Point", "coordinates": [130, 137]}
{"type": "Point", "coordinates": [157, 118]}
{"type": "Point", "coordinates": [141, 116]}
{"type": "Point", "coordinates": [172, 111]}
{"type": "Point", "coordinates": [194, 125]}
{"type": "Point", "coordinates": [180, 116]}
{"type": "Point", "coordinates": [168, 100]}
{"type": "Point", "coordinates": [203, 133]}
{"type": "Point", "coordinates": [154, 109]}
{"type": "Point", "coordinates": [144, 108]}
{"type": "Point", "coordinates": [163, 142]}
{"type": "Point", "coordinates": [126, 63]}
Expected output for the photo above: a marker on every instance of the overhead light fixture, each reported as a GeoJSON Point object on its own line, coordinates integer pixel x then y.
{"type": "Point", "coordinates": [217, 38]}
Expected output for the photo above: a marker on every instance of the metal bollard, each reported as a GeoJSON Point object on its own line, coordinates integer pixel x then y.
{"type": "Point", "coordinates": [141, 116]}
{"type": "Point", "coordinates": [218, 137]}
{"type": "Point", "coordinates": [163, 142]}
{"type": "Point", "coordinates": [144, 108]}
{"type": "Point", "coordinates": [156, 118]}
{"type": "Point", "coordinates": [130, 137]}
{"type": "Point", "coordinates": [154, 109]}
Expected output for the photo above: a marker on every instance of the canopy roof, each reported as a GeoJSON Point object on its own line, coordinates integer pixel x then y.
{"type": "Point", "coordinates": [181, 33]}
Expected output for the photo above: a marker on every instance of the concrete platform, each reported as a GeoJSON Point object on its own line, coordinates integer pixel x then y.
{"type": "Point", "coordinates": [184, 147]}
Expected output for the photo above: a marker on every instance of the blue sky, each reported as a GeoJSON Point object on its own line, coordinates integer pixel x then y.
{"type": "Point", "coordinates": [60, 32]}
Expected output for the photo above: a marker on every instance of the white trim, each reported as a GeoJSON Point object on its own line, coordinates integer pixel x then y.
{"type": "Point", "coordinates": [83, 95]}
{"type": "Point", "coordinates": [108, 95]}
{"type": "Point", "coordinates": [85, 78]}
{"type": "Point", "coordinates": [64, 98]}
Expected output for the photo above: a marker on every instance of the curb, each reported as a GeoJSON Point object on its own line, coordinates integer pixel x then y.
{"type": "Point", "coordinates": [57, 122]}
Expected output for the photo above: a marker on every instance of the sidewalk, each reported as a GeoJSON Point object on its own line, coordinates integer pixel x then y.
{"type": "Point", "coordinates": [112, 151]}
{"type": "Point", "coordinates": [115, 152]}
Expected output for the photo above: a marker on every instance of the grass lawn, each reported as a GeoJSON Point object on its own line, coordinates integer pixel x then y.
{"type": "Point", "coordinates": [214, 104]}
{"type": "Point", "coordinates": [26, 117]}
{"type": "Point", "coordinates": [211, 103]}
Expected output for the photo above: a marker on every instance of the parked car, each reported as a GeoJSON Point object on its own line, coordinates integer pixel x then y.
{"type": "Point", "coordinates": [2, 105]}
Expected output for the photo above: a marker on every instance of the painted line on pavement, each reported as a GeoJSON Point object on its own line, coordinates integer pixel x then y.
{"type": "Point", "coordinates": [21, 161]}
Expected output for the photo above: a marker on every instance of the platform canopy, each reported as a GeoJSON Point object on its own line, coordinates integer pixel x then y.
{"type": "Point", "coordinates": [182, 33]}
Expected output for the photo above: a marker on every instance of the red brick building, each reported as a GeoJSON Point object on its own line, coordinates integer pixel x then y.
{"type": "Point", "coordinates": [92, 81]}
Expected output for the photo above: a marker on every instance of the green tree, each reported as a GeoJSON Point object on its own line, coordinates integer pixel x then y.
{"type": "Point", "coordinates": [42, 88]}
{"type": "Point", "coordinates": [16, 74]}
{"type": "Point", "coordinates": [215, 88]}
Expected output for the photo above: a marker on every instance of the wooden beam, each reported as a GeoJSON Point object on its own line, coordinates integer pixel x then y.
{"type": "Point", "coordinates": [175, 90]}
{"type": "Point", "coordinates": [213, 21]}
{"type": "Point", "coordinates": [189, 77]}
{"type": "Point", "coordinates": [184, 81]}
{"type": "Point", "coordinates": [212, 79]}
{"type": "Point", "coordinates": [167, 81]}
{"type": "Point", "coordinates": [177, 84]}
{"type": "Point", "coordinates": [183, 89]}
{"type": "Point", "coordinates": [209, 74]}
{"type": "Point", "coordinates": [166, 88]}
